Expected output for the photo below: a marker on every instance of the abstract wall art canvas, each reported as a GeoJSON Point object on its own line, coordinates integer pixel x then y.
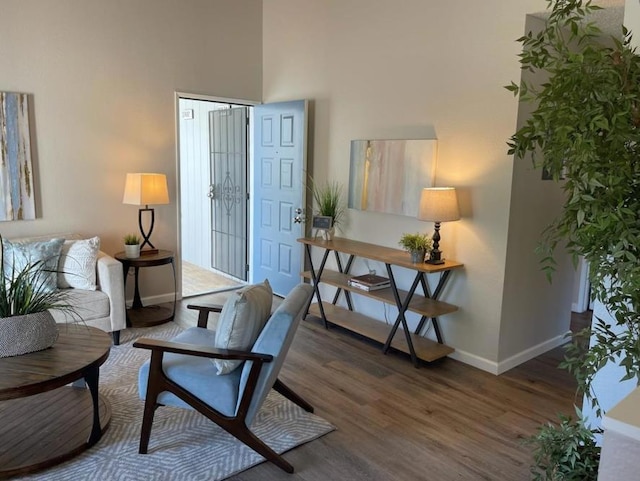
{"type": "Point", "coordinates": [389, 175]}
{"type": "Point", "coordinates": [16, 173]}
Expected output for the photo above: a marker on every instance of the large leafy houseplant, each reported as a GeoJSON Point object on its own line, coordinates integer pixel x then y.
{"type": "Point", "coordinates": [584, 131]}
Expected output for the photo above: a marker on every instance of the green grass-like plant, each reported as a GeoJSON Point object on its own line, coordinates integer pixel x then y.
{"type": "Point", "coordinates": [329, 200]}
{"type": "Point", "coordinates": [24, 292]}
{"type": "Point", "coordinates": [416, 242]}
{"type": "Point", "coordinates": [131, 239]}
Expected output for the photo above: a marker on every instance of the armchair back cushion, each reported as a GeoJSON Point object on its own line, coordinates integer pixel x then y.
{"type": "Point", "coordinates": [275, 339]}
{"type": "Point", "coordinates": [242, 318]}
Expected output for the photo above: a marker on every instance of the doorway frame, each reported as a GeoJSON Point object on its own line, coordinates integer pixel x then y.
{"type": "Point", "coordinates": [207, 98]}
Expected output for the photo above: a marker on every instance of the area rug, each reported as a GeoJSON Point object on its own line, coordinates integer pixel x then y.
{"type": "Point", "coordinates": [184, 444]}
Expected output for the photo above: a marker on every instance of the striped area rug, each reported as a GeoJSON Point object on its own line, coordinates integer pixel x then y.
{"type": "Point", "coordinates": [184, 444]}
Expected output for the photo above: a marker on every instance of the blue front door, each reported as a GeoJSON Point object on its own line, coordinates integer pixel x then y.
{"type": "Point", "coordinates": [280, 131]}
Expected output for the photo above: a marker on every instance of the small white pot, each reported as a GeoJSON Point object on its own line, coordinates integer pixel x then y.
{"type": "Point", "coordinates": [132, 251]}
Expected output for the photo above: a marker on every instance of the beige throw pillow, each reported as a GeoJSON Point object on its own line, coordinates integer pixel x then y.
{"type": "Point", "coordinates": [77, 264]}
{"type": "Point", "coordinates": [242, 318]}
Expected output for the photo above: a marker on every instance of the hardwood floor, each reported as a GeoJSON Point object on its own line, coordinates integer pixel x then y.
{"type": "Point", "coordinates": [443, 421]}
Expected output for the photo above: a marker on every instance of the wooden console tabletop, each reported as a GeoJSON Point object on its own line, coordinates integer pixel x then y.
{"type": "Point", "coordinates": [427, 305]}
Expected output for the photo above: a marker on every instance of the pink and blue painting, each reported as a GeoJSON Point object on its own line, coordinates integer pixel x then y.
{"type": "Point", "coordinates": [16, 173]}
{"type": "Point", "coordinates": [389, 175]}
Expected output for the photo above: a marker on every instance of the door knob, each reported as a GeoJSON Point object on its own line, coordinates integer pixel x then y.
{"type": "Point", "coordinates": [212, 192]}
{"type": "Point", "coordinates": [299, 217]}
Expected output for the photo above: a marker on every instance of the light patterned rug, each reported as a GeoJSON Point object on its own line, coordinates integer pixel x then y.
{"type": "Point", "coordinates": [184, 444]}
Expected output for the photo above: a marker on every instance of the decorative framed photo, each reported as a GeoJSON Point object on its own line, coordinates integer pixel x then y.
{"type": "Point", "coordinates": [322, 222]}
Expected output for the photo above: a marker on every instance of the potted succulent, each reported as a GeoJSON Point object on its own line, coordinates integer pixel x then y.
{"type": "Point", "coordinates": [329, 203]}
{"type": "Point", "coordinates": [26, 325]}
{"type": "Point", "coordinates": [418, 245]}
{"type": "Point", "coordinates": [132, 246]}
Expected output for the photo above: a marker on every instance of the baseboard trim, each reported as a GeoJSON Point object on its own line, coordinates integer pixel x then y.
{"type": "Point", "coordinates": [152, 300]}
{"type": "Point", "coordinates": [534, 351]}
{"type": "Point", "coordinates": [475, 361]}
{"type": "Point", "coordinates": [501, 367]}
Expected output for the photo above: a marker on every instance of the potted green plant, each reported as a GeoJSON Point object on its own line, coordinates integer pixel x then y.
{"type": "Point", "coordinates": [418, 245]}
{"type": "Point", "coordinates": [132, 246]}
{"type": "Point", "coordinates": [585, 132]}
{"type": "Point", "coordinates": [26, 325]}
{"type": "Point", "coordinates": [329, 202]}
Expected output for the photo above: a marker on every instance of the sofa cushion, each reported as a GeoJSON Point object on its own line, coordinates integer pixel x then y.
{"type": "Point", "coordinates": [17, 255]}
{"type": "Point", "coordinates": [77, 264]}
{"type": "Point", "coordinates": [242, 318]}
{"type": "Point", "coordinates": [87, 305]}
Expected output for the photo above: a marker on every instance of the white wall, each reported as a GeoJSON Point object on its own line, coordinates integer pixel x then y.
{"type": "Point", "coordinates": [195, 166]}
{"type": "Point", "coordinates": [103, 76]}
{"type": "Point", "coordinates": [535, 313]}
{"type": "Point", "coordinates": [413, 69]}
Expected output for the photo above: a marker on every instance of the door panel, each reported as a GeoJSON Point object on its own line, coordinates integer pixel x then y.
{"type": "Point", "coordinates": [228, 190]}
{"type": "Point", "coordinates": [280, 165]}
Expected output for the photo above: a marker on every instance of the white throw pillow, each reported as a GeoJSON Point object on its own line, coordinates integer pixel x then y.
{"type": "Point", "coordinates": [77, 264]}
{"type": "Point", "coordinates": [242, 318]}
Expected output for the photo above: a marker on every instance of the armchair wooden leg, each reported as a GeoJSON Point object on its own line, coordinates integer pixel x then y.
{"type": "Point", "coordinates": [283, 389]}
{"type": "Point", "coordinates": [255, 443]}
{"type": "Point", "coordinates": [150, 403]}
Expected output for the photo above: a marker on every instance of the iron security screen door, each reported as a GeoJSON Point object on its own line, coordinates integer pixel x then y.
{"type": "Point", "coordinates": [228, 190]}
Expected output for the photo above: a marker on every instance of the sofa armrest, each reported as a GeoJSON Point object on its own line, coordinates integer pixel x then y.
{"type": "Point", "coordinates": [110, 280]}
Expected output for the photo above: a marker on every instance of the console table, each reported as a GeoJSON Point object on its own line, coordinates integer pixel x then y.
{"type": "Point", "coordinates": [427, 305]}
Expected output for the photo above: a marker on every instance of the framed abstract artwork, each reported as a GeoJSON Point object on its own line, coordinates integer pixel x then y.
{"type": "Point", "coordinates": [16, 171]}
{"type": "Point", "coordinates": [389, 175]}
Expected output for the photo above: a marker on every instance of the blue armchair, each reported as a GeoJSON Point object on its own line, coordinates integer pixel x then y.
{"type": "Point", "coordinates": [181, 373]}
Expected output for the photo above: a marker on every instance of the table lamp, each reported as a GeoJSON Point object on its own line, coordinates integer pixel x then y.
{"type": "Point", "coordinates": [438, 204]}
{"type": "Point", "coordinates": [145, 189]}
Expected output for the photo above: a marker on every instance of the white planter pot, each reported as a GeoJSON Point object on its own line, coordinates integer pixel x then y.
{"type": "Point", "coordinates": [132, 251]}
{"type": "Point", "coordinates": [28, 333]}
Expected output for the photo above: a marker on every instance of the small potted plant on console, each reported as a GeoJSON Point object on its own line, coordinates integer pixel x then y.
{"type": "Point", "coordinates": [418, 245]}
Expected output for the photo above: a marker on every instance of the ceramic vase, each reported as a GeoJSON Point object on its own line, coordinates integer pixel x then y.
{"type": "Point", "coordinates": [132, 251]}
{"type": "Point", "coordinates": [417, 256]}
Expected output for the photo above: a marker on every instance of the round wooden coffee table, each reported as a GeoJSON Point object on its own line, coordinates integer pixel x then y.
{"type": "Point", "coordinates": [43, 421]}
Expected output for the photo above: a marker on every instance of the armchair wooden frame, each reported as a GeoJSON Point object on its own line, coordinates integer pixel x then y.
{"type": "Point", "coordinates": [236, 426]}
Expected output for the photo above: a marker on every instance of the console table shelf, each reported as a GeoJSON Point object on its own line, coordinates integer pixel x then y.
{"type": "Point", "coordinates": [422, 305]}
{"type": "Point", "coordinates": [425, 349]}
{"type": "Point", "coordinates": [397, 336]}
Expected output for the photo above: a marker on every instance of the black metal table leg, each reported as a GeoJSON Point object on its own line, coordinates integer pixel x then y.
{"type": "Point", "coordinates": [315, 279]}
{"type": "Point", "coordinates": [402, 308]}
{"type": "Point", "coordinates": [347, 294]}
{"type": "Point", "coordinates": [436, 294]}
{"type": "Point", "coordinates": [91, 378]}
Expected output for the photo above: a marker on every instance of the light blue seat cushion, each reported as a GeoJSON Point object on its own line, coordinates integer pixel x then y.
{"type": "Point", "coordinates": [198, 375]}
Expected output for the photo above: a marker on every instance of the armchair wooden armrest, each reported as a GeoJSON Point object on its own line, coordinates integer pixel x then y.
{"type": "Point", "coordinates": [203, 312]}
{"type": "Point", "coordinates": [200, 351]}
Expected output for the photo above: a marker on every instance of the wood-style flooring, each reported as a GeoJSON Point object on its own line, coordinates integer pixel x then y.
{"type": "Point", "coordinates": [443, 421]}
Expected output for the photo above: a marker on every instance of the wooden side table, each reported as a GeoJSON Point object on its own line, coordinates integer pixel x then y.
{"type": "Point", "coordinates": [43, 420]}
{"type": "Point", "coordinates": [146, 316]}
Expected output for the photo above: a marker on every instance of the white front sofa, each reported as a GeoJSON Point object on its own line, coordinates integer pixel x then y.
{"type": "Point", "coordinates": [103, 308]}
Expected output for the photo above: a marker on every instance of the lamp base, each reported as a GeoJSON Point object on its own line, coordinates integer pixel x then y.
{"type": "Point", "coordinates": [430, 261]}
{"type": "Point", "coordinates": [149, 252]}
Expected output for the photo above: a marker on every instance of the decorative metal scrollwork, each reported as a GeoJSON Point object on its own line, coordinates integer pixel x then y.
{"type": "Point", "coordinates": [231, 193]}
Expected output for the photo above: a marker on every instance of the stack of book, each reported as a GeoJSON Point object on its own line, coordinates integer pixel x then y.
{"type": "Point", "coordinates": [369, 282]}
